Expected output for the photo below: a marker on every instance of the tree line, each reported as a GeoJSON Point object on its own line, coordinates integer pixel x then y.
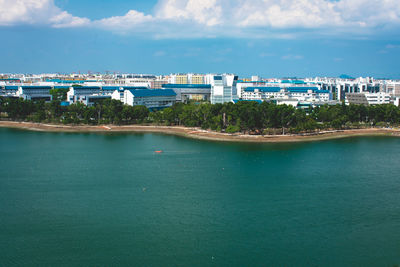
{"type": "Point", "coordinates": [244, 116]}
{"type": "Point", "coordinates": [104, 112]}
{"type": "Point", "coordinates": [269, 118]}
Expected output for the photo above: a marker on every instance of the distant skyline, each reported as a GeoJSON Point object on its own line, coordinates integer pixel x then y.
{"type": "Point", "coordinates": [269, 38]}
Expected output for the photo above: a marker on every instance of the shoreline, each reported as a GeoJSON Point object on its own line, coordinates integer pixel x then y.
{"type": "Point", "coordinates": [197, 133]}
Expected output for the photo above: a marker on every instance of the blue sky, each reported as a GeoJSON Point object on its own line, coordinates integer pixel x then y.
{"type": "Point", "coordinates": [270, 38]}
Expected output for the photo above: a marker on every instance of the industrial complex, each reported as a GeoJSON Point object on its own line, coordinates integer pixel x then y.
{"type": "Point", "coordinates": [162, 91]}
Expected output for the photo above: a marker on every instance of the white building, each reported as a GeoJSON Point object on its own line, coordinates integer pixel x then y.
{"type": "Point", "coordinates": [378, 98]}
{"type": "Point", "coordinates": [151, 98]}
{"type": "Point", "coordinates": [393, 88]}
{"type": "Point", "coordinates": [396, 101]}
{"type": "Point", "coordinates": [223, 88]}
{"type": "Point", "coordinates": [309, 94]}
{"type": "Point", "coordinates": [368, 98]}
{"type": "Point", "coordinates": [9, 91]}
{"type": "Point", "coordinates": [32, 92]}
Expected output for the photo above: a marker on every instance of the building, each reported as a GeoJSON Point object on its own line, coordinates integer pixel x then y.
{"type": "Point", "coordinates": [9, 91]}
{"type": "Point", "coordinates": [189, 78]}
{"type": "Point", "coordinates": [368, 98]}
{"type": "Point", "coordinates": [89, 95]}
{"type": "Point", "coordinates": [393, 88]}
{"type": "Point", "coordinates": [378, 98]}
{"type": "Point", "coordinates": [356, 98]}
{"type": "Point", "coordinates": [157, 84]}
{"type": "Point", "coordinates": [396, 101]}
{"type": "Point", "coordinates": [223, 88]}
{"type": "Point", "coordinates": [185, 92]}
{"type": "Point", "coordinates": [309, 94]}
{"type": "Point", "coordinates": [196, 78]}
{"type": "Point", "coordinates": [33, 92]}
{"type": "Point", "coordinates": [85, 94]}
{"type": "Point", "coordinates": [151, 98]}
{"type": "Point", "coordinates": [181, 79]}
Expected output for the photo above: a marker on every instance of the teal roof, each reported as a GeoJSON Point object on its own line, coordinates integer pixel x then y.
{"type": "Point", "coordinates": [11, 87]}
{"type": "Point", "coordinates": [36, 87]}
{"type": "Point", "coordinates": [241, 100]}
{"type": "Point", "coordinates": [113, 88]}
{"type": "Point", "coordinates": [152, 92]}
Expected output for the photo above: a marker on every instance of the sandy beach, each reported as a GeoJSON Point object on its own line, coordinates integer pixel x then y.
{"type": "Point", "coordinates": [198, 133]}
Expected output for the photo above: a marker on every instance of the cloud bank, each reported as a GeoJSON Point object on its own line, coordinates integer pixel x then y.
{"type": "Point", "coordinates": [213, 18]}
{"type": "Point", "coordinates": [41, 12]}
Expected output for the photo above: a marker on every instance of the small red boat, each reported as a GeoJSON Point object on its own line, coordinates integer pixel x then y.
{"type": "Point", "coordinates": [158, 151]}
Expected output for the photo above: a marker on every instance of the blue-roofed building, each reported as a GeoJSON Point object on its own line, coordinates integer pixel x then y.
{"type": "Point", "coordinates": [9, 91]}
{"type": "Point", "coordinates": [185, 92]}
{"type": "Point", "coordinates": [10, 80]}
{"type": "Point", "coordinates": [89, 95]}
{"type": "Point", "coordinates": [299, 93]}
{"type": "Point", "coordinates": [151, 98]}
{"type": "Point", "coordinates": [223, 88]}
{"type": "Point", "coordinates": [262, 93]}
{"type": "Point", "coordinates": [82, 93]}
{"type": "Point", "coordinates": [35, 92]}
{"type": "Point", "coordinates": [134, 87]}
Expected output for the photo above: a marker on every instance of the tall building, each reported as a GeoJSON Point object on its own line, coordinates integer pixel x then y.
{"type": "Point", "coordinates": [393, 88]}
{"type": "Point", "coordinates": [182, 79]}
{"type": "Point", "coordinates": [223, 88]}
{"type": "Point", "coordinates": [186, 78]}
{"type": "Point", "coordinates": [196, 78]}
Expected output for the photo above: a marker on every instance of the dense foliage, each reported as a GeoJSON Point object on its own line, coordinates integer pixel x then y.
{"type": "Point", "coordinates": [269, 118]}
{"type": "Point", "coordinates": [107, 111]}
{"type": "Point", "coordinates": [245, 116]}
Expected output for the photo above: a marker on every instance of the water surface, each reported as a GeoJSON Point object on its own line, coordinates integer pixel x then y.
{"type": "Point", "coordinates": [109, 200]}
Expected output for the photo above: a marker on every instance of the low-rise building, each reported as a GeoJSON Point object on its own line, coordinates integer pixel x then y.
{"type": "Point", "coordinates": [33, 92]}
{"type": "Point", "coordinates": [368, 98]}
{"type": "Point", "coordinates": [378, 98]}
{"type": "Point", "coordinates": [185, 92]}
{"type": "Point", "coordinates": [151, 98]}
{"type": "Point", "coordinates": [311, 94]}
{"type": "Point", "coordinates": [89, 95]}
{"type": "Point", "coordinates": [9, 91]}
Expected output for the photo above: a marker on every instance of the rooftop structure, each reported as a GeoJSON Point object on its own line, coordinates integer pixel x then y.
{"type": "Point", "coordinates": [151, 98]}
{"type": "Point", "coordinates": [185, 92]}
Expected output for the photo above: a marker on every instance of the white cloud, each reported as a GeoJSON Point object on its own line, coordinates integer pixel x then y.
{"type": "Point", "coordinates": [122, 23]}
{"type": "Point", "coordinates": [207, 12]}
{"type": "Point", "coordinates": [214, 18]}
{"type": "Point", "coordinates": [16, 12]}
{"type": "Point", "coordinates": [66, 20]}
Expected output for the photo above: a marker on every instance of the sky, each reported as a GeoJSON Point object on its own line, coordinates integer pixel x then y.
{"type": "Point", "coordinates": [269, 38]}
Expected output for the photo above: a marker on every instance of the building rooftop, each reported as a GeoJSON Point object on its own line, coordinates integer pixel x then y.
{"type": "Point", "coordinates": [33, 87]}
{"type": "Point", "coordinates": [11, 87]}
{"type": "Point", "coordinates": [271, 89]}
{"type": "Point", "coordinates": [183, 86]}
{"type": "Point", "coordinates": [152, 92]}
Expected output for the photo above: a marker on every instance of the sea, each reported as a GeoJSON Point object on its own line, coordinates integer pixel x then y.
{"type": "Point", "coordinates": [90, 199]}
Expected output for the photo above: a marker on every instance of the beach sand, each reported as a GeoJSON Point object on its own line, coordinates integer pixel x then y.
{"type": "Point", "coordinates": [198, 133]}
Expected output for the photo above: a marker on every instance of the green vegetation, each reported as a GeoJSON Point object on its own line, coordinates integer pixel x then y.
{"type": "Point", "coordinates": [269, 118]}
{"type": "Point", "coordinates": [104, 112]}
{"type": "Point", "coordinates": [244, 116]}
{"type": "Point", "coordinates": [59, 94]}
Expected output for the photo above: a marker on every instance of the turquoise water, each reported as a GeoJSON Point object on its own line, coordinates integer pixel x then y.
{"type": "Point", "coordinates": [109, 200]}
